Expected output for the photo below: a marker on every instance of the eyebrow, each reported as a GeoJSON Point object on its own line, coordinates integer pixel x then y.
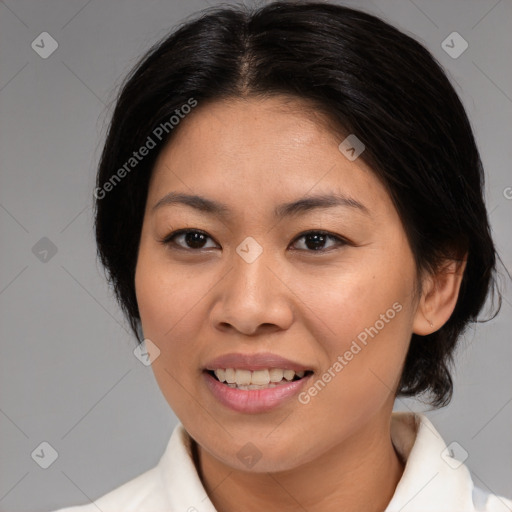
{"type": "Point", "coordinates": [298, 207]}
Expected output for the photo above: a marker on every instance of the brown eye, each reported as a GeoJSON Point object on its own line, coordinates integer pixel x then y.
{"type": "Point", "coordinates": [187, 239]}
{"type": "Point", "coordinates": [195, 240]}
{"type": "Point", "coordinates": [316, 241]}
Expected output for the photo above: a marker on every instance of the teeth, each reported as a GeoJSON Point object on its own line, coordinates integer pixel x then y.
{"type": "Point", "coordinates": [289, 374]}
{"type": "Point", "coordinates": [252, 386]}
{"type": "Point", "coordinates": [229, 375]}
{"type": "Point", "coordinates": [260, 377]}
{"type": "Point", "coordinates": [257, 379]}
{"type": "Point", "coordinates": [276, 375]}
{"type": "Point", "coordinates": [242, 377]}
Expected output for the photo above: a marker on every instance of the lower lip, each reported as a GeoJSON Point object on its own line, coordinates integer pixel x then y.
{"type": "Point", "coordinates": [253, 400]}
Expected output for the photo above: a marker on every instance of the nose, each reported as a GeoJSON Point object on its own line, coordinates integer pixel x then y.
{"type": "Point", "coordinates": [253, 298]}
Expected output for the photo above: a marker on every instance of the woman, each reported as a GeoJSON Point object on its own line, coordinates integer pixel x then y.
{"type": "Point", "coordinates": [289, 206]}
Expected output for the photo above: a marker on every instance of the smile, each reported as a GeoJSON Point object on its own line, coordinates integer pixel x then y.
{"type": "Point", "coordinates": [255, 398]}
{"type": "Point", "coordinates": [257, 379]}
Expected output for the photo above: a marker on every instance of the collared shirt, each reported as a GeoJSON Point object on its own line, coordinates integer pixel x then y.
{"type": "Point", "coordinates": [433, 481]}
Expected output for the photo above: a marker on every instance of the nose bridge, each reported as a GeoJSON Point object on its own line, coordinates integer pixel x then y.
{"type": "Point", "coordinates": [252, 294]}
{"type": "Point", "coordinates": [251, 267]}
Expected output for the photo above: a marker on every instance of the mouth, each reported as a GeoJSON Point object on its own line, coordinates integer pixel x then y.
{"type": "Point", "coordinates": [255, 383]}
{"type": "Point", "coordinates": [244, 379]}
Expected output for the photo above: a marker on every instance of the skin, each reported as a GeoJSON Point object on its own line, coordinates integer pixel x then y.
{"type": "Point", "coordinates": [199, 303]}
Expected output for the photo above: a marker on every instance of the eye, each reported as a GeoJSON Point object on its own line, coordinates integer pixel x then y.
{"type": "Point", "coordinates": [191, 239]}
{"type": "Point", "coordinates": [315, 241]}
{"type": "Point", "coordinates": [194, 239]}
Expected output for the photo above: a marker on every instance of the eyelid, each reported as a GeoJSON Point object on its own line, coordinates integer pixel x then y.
{"type": "Point", "coordinates": [166, 240]}
{"type": "Point", "coordinates": [341, 241]}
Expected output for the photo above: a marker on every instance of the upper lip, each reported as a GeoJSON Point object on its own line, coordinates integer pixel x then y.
{"type": "Point", "coordinates": [258, 361]}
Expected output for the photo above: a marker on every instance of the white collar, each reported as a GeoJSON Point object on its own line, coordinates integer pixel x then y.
{"type": "Point", "coordinates": [428, 482]}
{"type": "Point", "coordinates": [184, 488]}
{"type": "Point", "coordinates": [431, 480]}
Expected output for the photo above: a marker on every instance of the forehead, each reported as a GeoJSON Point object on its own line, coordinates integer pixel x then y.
{"type": "Point", "coordinates": [247, 148]}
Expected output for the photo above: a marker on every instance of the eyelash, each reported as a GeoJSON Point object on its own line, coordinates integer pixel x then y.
{"type": "Point", "coordinates": [169, 240]}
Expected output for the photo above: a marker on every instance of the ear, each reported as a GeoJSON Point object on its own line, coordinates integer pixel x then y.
{"type": "Point", "coordinates": [439, 297]}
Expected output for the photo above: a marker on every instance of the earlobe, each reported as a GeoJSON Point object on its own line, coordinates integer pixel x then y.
{"type": "Point", "coordinates": [439, 297]}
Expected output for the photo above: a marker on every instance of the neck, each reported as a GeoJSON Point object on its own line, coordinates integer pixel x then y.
{"type": "Point", "coordinates": [361, 473]}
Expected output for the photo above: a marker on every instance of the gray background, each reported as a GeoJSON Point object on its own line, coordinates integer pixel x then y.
{"type": "Point", "coordinates": [68, 375]}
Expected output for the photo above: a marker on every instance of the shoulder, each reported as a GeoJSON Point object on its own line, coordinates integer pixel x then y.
{"type": "Point", "coordinates": [173, 484]}
{"type": "Point", "coordinates": [152, 490]}
{"type": "Point", "coordinates": [484, 501]}
{"type": "Point", "coordinates": [433, 478]}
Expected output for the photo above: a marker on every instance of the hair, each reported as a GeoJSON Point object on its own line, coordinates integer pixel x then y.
{"type": "Point", "coordinates": [369, 79]}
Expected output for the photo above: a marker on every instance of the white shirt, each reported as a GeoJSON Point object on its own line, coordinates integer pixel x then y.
{"type": "Point", "coordinates": [431, 482]}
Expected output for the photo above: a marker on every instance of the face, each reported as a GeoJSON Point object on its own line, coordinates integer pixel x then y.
{"type": "Point", "coordinates": [325, 291]}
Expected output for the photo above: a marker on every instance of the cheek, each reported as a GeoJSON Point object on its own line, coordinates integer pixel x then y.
{"type": "Point", "coordinates": [166, 295]}
{"type": "Point", "coordinates": [360, 377]}
{"type": "Point", "coordinates": [358, 300]}
{"type": "Point", "coordinates": [363, 321]}
{"type": "Point", "coordinates": [170, 307]}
